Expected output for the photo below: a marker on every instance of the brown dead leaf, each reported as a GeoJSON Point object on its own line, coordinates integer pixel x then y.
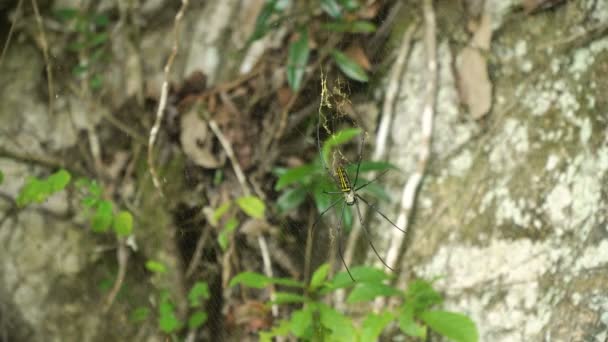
{"type": "Point", "coordinates": [356, 53]}
{"type": "Point", "coordinates": [472, 70]}
{"type": "Point", "coordinates": [197, 141]}
{"type": "Point", "coordinates": [284, 95]}
{"type": "Point", "coordinates": [370, 11]}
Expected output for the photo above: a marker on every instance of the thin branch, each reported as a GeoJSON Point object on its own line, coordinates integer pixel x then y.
{"type": "Point", "coordinates": [162, 104]}
{"type": "Point", "coordinates": [240, 176]}
{"type": "Point", "coordinates": [123, 260]}
{"type": "Point", "coordinates": [43, 160]}
{"type": "Point", "coordinates": [10, 32]}
{"type": "Point", "coordinates": [198, 252]}
{"type": "Point", "coordinates": [45, 52]}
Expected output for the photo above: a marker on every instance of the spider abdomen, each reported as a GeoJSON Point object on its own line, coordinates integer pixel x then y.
{"type": "Point", "coordinates": [345, 187]}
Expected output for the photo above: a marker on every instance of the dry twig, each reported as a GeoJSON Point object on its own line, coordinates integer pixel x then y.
{"type": "Point", "coordinates": [45, 52]}
{"type": "Point", "coordinates": [10, 32]}
{"type": "Point", "coordinates": [163, 98]}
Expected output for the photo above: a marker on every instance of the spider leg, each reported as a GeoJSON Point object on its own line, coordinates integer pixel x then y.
{"type": "Point", "coordinates": [379, 212]}
{"type": "Point", "coordinates": [362, 142]}
{"type": "Point", "coordinates": [367, 235]}
{"type": "Point", "coordinates": [324, 211]}
{"type": "Point", "coordinates": [339, 237]}
{"type": "Point", "coordinates": [332, 192]}
{"type": "Point", "coordinates": [373, 180]}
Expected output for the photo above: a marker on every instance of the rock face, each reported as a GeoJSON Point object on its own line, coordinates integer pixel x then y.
{"type": "Point", "coordinates": [511, 214]}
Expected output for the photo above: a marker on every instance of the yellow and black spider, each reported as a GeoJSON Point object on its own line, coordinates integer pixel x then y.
{"type": "Point", "coordinates": [349, 191]}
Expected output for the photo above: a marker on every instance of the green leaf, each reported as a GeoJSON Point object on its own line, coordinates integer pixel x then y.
{"type": "Point", "coordinates": [362, 274]}
{"type": "Point", "coordinates": [261, 23]}
{"type": "Point", "coordinates": [422, 296]}
{"type": "Point", "coordinates": [290, 199]}
{"type": "Point", "coordinates": [34, 191]}
{"type": "Point", "coordinates": [452, 325]}
{"type": "Point", "coordinates": [332, 8]}
{"type": "Point", "coordinates": [218, 177]}
{"type": "Point", "coordinates": [368, 166]}
{"type": "Point", "coordinates": [374, 324]}
{"type": "Point", "coordinates": [167, 320]}
{"type": "Point", "coordinates": [297, 60]}
{"type": "Point", "coordinates": [219, 212]}
{"type": "Point", "coordinates": [94, 189]}
{"type": "Point", "coordinates": [322, 200]}
{"type": "Point", "coordinates": [250, 279]}
{"type": "Point", "coordinates": [96, 82]}
{"type": "Point", "coordinates": [103, 217]}
{"type": "Point", "coordinates": [282, 329]}
{"type": "Point", "coordinates": [337, 139]}
{"type": "Point", "coordinates": [407, 324]}
{"type": "Point", "coordinates": [349, 67]}
{"type": "Point", "coordinates": [101, 20]}
{"type": "Point", "coordinates": [368, 291]}
{"type": "Point", "coordinates": [300, 174]}
{"type": "Point", "coordinates": [98, 39]}
{"type": "Point", "coordinates": [301, 321]}
{"type": "Point", "coordinates": [347, 220]}
{"type": "Point", "coordinates": [90, 201]}
{"type": "Point", "coordinates": [59, 180]}
{"type": "Point", "coordinates": [140, 314]}
{"type": "Point", "coordinates": [340, 325]}
{"type": "Point", "coordinates": [1, 177]}
{"type": "Point", "coordinates": [375, 190]}
{"type": "Point", "coordinates": [229, 227]}
{"type": "Point", "coordinates": [252, 206]}
{"type": "Point", "coordinates": [155, 266]}
{"type": "Point", "coordinates": [65, 14]}
{"type": "Point", "coordinates": [76, 46]}
{"type": "Point", "coordinates": [198, 293]}
{"type": "Point", "coordinates": [318, 278]}
{"type": "Point", "coordinates": [287, 282]}
{"type": "Point", "coordinates": [287, 297]}
{"type": "Point", "coordinates": [197, 319]}
{"type": "Point", "coordinates": [349, 5]}
{"type": "Point", "coordinates": [123, 223]}
{"type": "Point", "coordinates": [359, 26]}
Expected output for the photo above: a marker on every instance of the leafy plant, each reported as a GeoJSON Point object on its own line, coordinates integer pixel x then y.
{"type": "Point", "coordinates": [315, 320]}
{"type": "Point", "coordinates": [90, 44]}
{"type": "Point", "coordinates": [252, 206]}
{"type": "Point", "coordinates": [168, 321]}
{"type": "Point", "coordinates": [343, 18]}
{"type": "Point", "coordinates": [37, 190]}
{"type": "Point", "coordinates": [103, 216]}
{"type": "Point", "coordinates": [297, 182]}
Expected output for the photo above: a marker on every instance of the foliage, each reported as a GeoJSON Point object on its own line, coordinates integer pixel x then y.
{"type": "Point", "coordinates": [102, 216]}
{"type": "Point", "coordinates": [315, 320]}
{"type": "Point", "coordinates": [37, 190]}
{"type": "Point", "coordinates": [343, 16]}
{"type": "Point", "coordinates": [297, 182]}
{"type": "Point", "coordinates": [167, 318]}
{"type": "Point", "coordinates": [90, 44]}
{"type": "Point", "coordinates": [252, 206]}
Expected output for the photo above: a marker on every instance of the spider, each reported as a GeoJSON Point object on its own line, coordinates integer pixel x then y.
{"type": "Point", "coordinates": [350, 196]}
